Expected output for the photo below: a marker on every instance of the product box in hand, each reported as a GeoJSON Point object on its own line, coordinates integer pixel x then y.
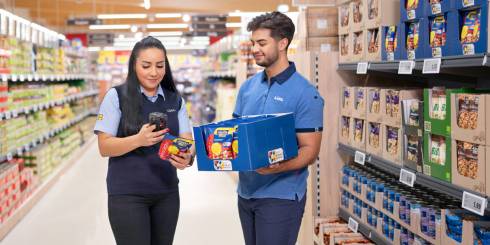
{"type": "Point", "coordinates": [347, 100]}
{"type": "Point", "coordinates": [414, 34]}
{"type": "Point", "coordinates": [381, 13]}
{"type": "Point", "coordinates": [372, 44]}
{"type": "Point", "coordinates": [413, 128]}
{"type": "Point", "coordinates": [344, 20]}
{"type": "Point", "coordinates": [392, 142]}
{"type": "Point", "coordinates": [346, 127]}
{"type": "Point", "coordinates": [411, 9]}
{"type": "Point", "coordinates": [375, 107]}
{"type": "Point", "coordinates": [437, 156]}
{"type": "Point", "coordinates": [437, 109]}
{"type": "Point", "coordinates": [374, 138]}
{"type": "Point", "coordinates": [322, 21]}
{"type": "Point", "coordinates": [437, 7]}
{"type": "Point", "coordinates": [469, 167]}
{"type": "Point", "coordinates": [357, 20]}
{"type": "Point", "coordinates": [246, 143]}
{"type": "Point", "coordinates": [472, 24]}
{"type": "Point", "coordinates": [321, 221]}
{"type": "Point", "coordinates": [360, 99]}
{"type": "Point", "coordinates": [470, 119]}
{"type": "Point", "coordinates": [392, 103]}
{"type": "Point", "coordinates": [390, 43]}
{"type": "Point", "coordinates": [358, 135]}
{"type": "Point", "coordinates": [346, 48]}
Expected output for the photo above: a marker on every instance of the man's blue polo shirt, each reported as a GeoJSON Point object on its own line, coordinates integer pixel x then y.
{"type": "Point", "coordinates": [287, 92]}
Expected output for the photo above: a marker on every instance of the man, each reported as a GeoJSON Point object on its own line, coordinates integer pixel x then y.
{"type": "Point", "coordinates": [271, 200]}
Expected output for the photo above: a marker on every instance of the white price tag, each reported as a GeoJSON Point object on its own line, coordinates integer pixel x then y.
{"type": "Point", "coordinates": [360, 157]}
{"type": "Point", "coordinates": [407, 177]}
{"type": "Point", "coordinates": [406, 67]}
{"type": "Point", "coordinates": [353, 225]}
{"type": "Point", "coordinates": [362, 67]}
{"type": "Point", "coordinates": [8, 115]}
{"type": "Point", "coordinates": [432, 66]}
{"type": "Point", "coordinates": [14, 78]}
{"type": "Point", "coordinates": [474, 203]}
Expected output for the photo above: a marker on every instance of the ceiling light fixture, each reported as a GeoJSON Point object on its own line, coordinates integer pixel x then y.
{"type": "Point", "coordinates": [233, 25]}
{"type": "Point", "coordinates": [186, 18]}
{"type": "Point", "coordinates": [166, 33]}
{"type": "Point", "coordinates": [122, 16]}
{"type": "Point", "coordinates": [134, 29]}
{"type": "Point", "coordinates": [168, 15]}
{"type": "Point", "coordinates": [147, 4]}
{"type": "Point", "coordinates": [242, 14]}
{"type": "Point", "coordinates": [166, 26]}
{"type": "Point", "coordinates": [109, 27]}
{"type": "Point", "coordinates": [283, 8]}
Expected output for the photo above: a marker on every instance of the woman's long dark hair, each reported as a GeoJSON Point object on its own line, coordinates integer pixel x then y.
{"type": "Point", "coordinates": [130, 103]}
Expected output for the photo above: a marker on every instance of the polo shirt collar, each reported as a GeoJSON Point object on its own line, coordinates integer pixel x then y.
{"type": "Point", "coordinates": [283, 76]}
{"type": "Point", "coordinates": [159, 92]}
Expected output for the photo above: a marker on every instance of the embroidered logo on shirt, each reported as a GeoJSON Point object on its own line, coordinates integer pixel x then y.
{"type": "Point", "coordinates": [277, 98]}
{"type": "Point", "coordinates": [100, 117]}
{"type": "Point", "coordinates": [171, 110]}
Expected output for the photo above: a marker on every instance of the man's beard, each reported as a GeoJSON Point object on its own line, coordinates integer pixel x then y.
{"type": "Point", "coordinates": [268, 61]}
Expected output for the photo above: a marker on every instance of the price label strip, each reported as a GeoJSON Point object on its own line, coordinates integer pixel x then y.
{"type": "Point", "coordinates": [407, 177]}
{"type": "Point", "coordinates": [362, 67]}
{"type": "Point", "coordinates": [406, 67]}
{"type": "Point", "coordinates": [432, 66]}
{"type": "Point", "coordinates": [474, 203]}
{"type": "Point", "coordinates": [353, 225]}
{"type": "Point", "coordinates": [360, 158]}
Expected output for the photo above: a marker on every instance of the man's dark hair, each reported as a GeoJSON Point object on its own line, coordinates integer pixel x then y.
{"type": "Point", "coordinates": [281, 25]}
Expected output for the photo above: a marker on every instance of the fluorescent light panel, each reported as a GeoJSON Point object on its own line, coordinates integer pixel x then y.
{"type": "Point", "coordinates": [166, 26]}
{"type": "Point", "coordinates": [122, 16]}
{"type": "Point", "coordinates": [166, 33]}
{"type": "Point", "coordinates": [168, 15]}
{"type": "Point", "coordinates": [232, 25]}
{"type": "Point", "coordinates": [109, 27]}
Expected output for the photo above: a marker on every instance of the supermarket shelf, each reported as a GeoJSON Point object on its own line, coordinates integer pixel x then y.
{"type": "Point", "coordinates": [41, 190]}
{"type": "Point", "coordinates": [46, 136]}
{"type": "Point", "coordinates": [474, 61]}
{"type": "Point", "coordinates": [15, 113]}
{"type": "Point", "coordinates": [221, 74]}
{"type": "Point", "coordinates": [44, 77]}
{"type": "Point", "coordinates": [367, 231]}
{"type": "Point", "coordinates": [421, 179]}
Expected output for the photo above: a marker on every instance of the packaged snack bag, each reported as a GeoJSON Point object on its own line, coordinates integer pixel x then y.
{"type": "Point", "coordinates": [438, 32]}
{"type": "Point", "coordinates": [471, 28]}
{"type": "Point", "coordinates": [390, 40]}
{"type": "Point", "coordinates": [172, 145]}
{"type": "Point", "coordinates": [413, 36]}
{"type": "Point", "coordinates": [219, 143]}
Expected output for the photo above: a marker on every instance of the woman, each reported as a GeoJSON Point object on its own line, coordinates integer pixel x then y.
{"type": "Point", "coordinates": [143, 189]}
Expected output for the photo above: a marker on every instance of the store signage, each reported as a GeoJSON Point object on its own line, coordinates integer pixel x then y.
{"type": "Point", "coordinates": [362, 67]}
{"type": "Point", "coordinates": [208, 25]}
{"type": "Point", "coordinates": [407, 177]}
{"type": "Point", "coordinates": [83, 21]}
{"type": "Point", "coordinates": [100, 39]}
{"type": "Point", "coordinates": [474, 203]}
{"type": "Point", "coordinates": [360, 158]}
{"type": "Point", "coordinates": [432, 66]}
{"type": "Point", "coordinates": [353, 225]}
{"type": "Point", "coordinates": [406, 67]}
{"type": "Point", "coordinates": [209, 19]}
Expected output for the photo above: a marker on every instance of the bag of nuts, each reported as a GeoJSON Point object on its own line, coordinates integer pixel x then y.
{"type": "Point", "coordinates": [375, 104]}
{"type": "Point", "coordinates": [395, 103]}
{"type": "Point", "coordinates": [392, 139]}
{"type": "Point", "coordinates": [359, 129]}
{"type": "Point", "coordinates": [413, 148]}
{"type": "Point", "coordinates": [345, 127]}
{"type": "Point", "coordinates": [360, 99]}
{"type": "Point", "coordinates": [374, 135]}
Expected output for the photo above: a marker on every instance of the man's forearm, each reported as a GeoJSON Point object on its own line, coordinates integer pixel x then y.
{"type": "Point", "coordinates": [306, 156]}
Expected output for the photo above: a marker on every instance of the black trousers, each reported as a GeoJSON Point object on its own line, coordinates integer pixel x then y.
{"type": "Point", "coordinates": [270, 221]}
{"type": "Point", "coordinates": [144, 219]}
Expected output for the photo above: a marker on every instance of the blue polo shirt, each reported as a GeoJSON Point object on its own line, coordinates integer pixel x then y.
{"type": "Point", "coordinates": [286, 92]}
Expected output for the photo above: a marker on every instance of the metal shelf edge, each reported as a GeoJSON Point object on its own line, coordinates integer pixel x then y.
{"type": "Point", "coordinates": [367, 231]}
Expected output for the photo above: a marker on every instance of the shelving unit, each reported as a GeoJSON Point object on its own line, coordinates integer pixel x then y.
{"type": "Point", "coordinates": [15, 113]}
{"type": "Point", "coordinates": [421, 179]}
{"type": "Point", "coordinates": [364, 229]}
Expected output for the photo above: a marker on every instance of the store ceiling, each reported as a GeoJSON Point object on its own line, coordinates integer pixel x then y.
{"type": "Point", "coordinates": [55, 13]}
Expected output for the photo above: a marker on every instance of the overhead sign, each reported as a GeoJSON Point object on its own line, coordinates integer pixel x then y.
{"type": "Point", "coordinates": [83, 21]}
{"type": "Point", "coordinates": [208, 25]}
{"type": "Point", "coordinates": [100, 39]}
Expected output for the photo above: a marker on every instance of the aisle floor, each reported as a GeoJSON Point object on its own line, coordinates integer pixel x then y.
{"type": "Point", "coordinates": [74, 211]}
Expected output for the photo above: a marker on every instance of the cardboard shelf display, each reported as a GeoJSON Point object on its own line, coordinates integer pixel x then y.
{"type": "Point", "coordinates": [347, 100]}
{"type": "Point", "coordinates": [358, 135]}
{"type": "Point", "coordinates": [344, 20]}
{"type": "Point", "coordinates": [372, 44]}
{"type": "Point", "coordinates": [392, 142]}
{"type": "Point", "coordinates": [392, 104]}
{"type": "Point", "coordinates": [470, 117]}
{"type": "Point", "coordinates": [358, 51]}
{"type": "Point", "coordinates": [412, 112]}
{"type": "Point", "coordinates": [374, 140]}
{"type": "Point", "coordinates": [346, 127]}
{"type": "Point", "coordinates": [360, 102]}
{"type": "Point", "coordinates": [357, 20]}
{"type": "Point", "coordinates": [381, 13]}
{"type": "Point", "coordinates": [375, 105]}
{"type": "Point", "coordinates": [437, 156]}
{"type": "Point", "coordinates": [346, 48]}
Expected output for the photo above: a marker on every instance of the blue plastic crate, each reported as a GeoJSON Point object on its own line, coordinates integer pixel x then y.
{"type": "Point", "coordinates": [385, 54]}
{"type": "Point", "coordinates": [260, 138]}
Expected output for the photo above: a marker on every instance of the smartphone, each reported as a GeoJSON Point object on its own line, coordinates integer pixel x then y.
{"type": "Point", "coordinates": [159, 119]}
